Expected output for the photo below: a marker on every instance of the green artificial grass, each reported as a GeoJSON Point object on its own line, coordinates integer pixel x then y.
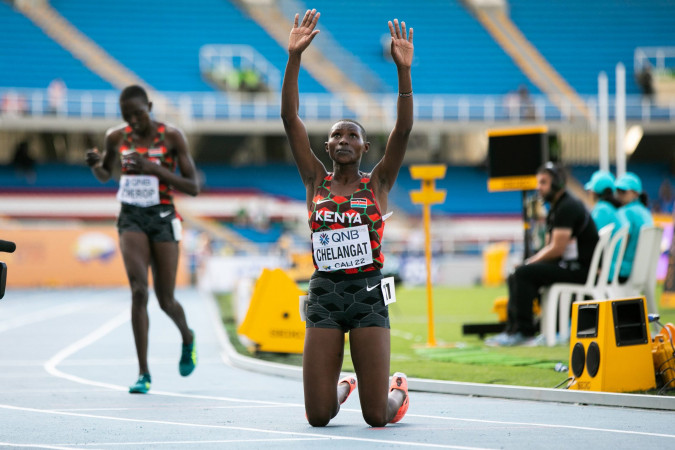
{"type": "Point", "coordinates": [455, 357]}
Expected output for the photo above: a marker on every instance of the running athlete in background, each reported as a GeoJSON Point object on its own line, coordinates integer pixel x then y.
{"type": "Point", "coordinates": [149, 227]}
{"type": "Point", "coordinates": [347, 292]}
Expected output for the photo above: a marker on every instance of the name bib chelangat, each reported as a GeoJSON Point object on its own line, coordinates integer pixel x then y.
{"type": "Point", "coordinates": [345, 248]}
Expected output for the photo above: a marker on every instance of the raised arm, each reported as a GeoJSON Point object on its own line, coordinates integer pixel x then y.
{"type": "Point", "coordinates": [386, 171]}
{"type": "Point", "coordinates": [309, 166]}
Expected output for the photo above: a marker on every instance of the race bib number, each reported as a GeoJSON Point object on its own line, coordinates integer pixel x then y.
{"type": "Point", "coordinates": [345, 248]}
{"type": "Point", "coordinates": [388, 290]}
{"type": "Point", "coordinates": [177, 228]}
{"type": "Point", "coordinates": [139, 190]}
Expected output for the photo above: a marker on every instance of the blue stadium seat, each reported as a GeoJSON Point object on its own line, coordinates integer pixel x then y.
{"type": "Point", "coordinates": [453, 53]}
{"type": "Point", "coordinates": [580, 38]}
{"type": "Point", "coordinates": [159, 40]}
{"type": "Point", "coordinates": [31, 59]}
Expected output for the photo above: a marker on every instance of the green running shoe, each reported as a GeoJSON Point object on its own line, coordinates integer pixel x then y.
{"type": "Point", "coordinates": [188, 359]}
{"type": "Point", "coordinates": [142, 385]}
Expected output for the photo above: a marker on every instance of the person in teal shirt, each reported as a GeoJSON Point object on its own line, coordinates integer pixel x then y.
{"type": "Point", "coordinates": [605, 212]}
{"type": "Point", "coordinates": [634, 212]}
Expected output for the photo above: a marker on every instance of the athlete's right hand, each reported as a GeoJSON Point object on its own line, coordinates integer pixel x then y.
{"type": "Point", "coordinates": [301, 36]}
{"type": "Point", "coordinates": [92, 157]}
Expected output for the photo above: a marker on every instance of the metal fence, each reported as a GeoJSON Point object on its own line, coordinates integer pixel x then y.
{"type": "Point", "coordinates": [214, 106]}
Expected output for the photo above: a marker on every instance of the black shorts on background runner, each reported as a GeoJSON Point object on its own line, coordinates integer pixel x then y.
{"type": "Point", "coordinates": [155, 221]}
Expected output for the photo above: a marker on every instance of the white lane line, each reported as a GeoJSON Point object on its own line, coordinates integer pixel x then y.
{"type": "Point", "coordinates": [50, 365]}
{"type": "Point", "coordinates": [224, 342]}
{"type": "Point", "coordinates": [183, 408]}
{"type": "Point", "coordinates": [223, 441]}
{"type": "Point", "coordinates": [11, 444]}
{"type": "Point", "coordinates": [545, 425]}
{"type": "Point", "coordinates": [229, 427]}
{"type": "Point", "coordinates": [42, 315]}
{"type": "Point", "coordinates": [127, 361]}
{"type": "Point", "coordinates": [109, 326]}
{"type": "Point", "coordinates": [100, 332]}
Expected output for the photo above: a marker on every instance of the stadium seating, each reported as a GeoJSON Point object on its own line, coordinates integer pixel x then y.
{"type": "Point", "coordinates": [31, 59]}
{"type": "Point", "coordinates": [160, 40]}
{"type": "Point", "coordinates": [580, 38]}
{"type": "Point", "coordinates": [453, 53]}
{"type": "Point", "coordinates": [265, 236]}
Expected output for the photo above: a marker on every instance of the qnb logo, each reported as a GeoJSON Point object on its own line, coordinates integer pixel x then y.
{"type": "Point", "coordinates": [323, 239]}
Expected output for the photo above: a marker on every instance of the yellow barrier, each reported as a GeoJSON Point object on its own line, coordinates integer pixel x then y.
{"type": "Point", "coordinates": [273, 318]}
{"type": "Point", "coordinates": [501, 304]}
{"type": "Point", "coordinates": [494, 260]}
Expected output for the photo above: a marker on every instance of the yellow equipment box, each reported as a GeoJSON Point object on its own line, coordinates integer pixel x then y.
{"type": "Point", "coordinates": [610, 346]}
{"type": "Point", "coordinates": [273, 319]}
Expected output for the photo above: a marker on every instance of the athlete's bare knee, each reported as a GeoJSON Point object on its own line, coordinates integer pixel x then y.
{"type": "Point", "coordinates": [375, 419]}
{"type": "Point", "coordinates": [318, 420]}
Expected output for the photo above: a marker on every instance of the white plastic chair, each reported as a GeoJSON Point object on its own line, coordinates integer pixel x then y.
{"type": "Point", "coordinates": [642, 278]}
{"type": "Point", "coordinates": [619, 239]}
{"type": "Point", "coordinates": [559, 294]}
{"type": "Point", "coordinates": [601, 289]}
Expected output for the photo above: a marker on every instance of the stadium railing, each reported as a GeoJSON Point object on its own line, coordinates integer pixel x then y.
{"type": "Point", "coordinates": [210, 106]}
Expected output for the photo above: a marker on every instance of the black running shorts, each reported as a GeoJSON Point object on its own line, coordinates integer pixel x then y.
{"type": "Point", "coordinates": [343, 303]}
{"type": "Point", "coordinates": [155, 221]}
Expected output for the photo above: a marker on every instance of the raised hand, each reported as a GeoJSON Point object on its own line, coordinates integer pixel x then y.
{"type": "Point", "coordinates": [401, 44]}
{"type": "Point", "coordinates": [303, 34]}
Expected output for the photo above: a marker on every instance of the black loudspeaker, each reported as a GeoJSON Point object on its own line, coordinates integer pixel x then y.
{"type": "Point", "coordinates": [610, 346]}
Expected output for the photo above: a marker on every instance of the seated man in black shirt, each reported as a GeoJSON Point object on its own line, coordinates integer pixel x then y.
{"type": "Point", "coordinates": [570, 241]}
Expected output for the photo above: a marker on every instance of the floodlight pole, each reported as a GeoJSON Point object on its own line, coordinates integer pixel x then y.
{"type": "Point", "coordinates": [427, 196]}
{"type": "Point", "coordinates": [603, 121]}
{"type": "Point", "coordinates": [620, 117]}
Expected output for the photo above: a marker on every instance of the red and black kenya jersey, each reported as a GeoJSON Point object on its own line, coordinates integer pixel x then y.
{"type": "Point", "coordinates": [332, 212]}
{"type": "Point", "coordinates": [156, 153]}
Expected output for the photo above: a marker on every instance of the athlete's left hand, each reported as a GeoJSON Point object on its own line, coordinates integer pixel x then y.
{"type": "Point", "coordinates": [401, 44]}
{"type": "Point", "coordinates": [92, 157]}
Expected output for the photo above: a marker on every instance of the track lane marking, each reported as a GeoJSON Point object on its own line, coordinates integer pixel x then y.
{"type": "Point", "coordinates": [123, 317]}
{"type": "Point", "coordinates": [102, 331]}
{"type": "Point", "coordinates": [230, 427]}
